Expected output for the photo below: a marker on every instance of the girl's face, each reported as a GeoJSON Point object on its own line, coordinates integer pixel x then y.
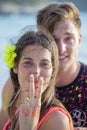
{"type": "Point", "coordinates": [35, 60]}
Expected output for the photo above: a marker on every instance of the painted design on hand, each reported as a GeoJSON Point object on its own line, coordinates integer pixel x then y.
{"type": "Point", "coordinates": [26, 112]}
{"type": "Point", "coordinates": [35, 114]}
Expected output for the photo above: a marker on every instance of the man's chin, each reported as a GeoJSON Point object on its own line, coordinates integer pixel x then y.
{"type": "Point", "coordinates": [63, 67]}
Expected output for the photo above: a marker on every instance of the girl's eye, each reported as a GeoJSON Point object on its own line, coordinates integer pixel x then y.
{"type": "Point", "coordinates": [46, 65]}
{"type": "Point", "coordinates": [28, 63]}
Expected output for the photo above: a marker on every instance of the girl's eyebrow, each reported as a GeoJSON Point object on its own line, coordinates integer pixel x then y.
{"type": "Point", "coordinates": [47, 60]}
{"type": "Point", "coordinates": [29, 58]}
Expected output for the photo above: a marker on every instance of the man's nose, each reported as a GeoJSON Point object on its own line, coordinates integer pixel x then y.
{"type": "Point", "coordinates": [62, 47]}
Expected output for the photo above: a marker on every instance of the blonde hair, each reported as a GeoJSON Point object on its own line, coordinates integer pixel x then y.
{"type": "Point", "coordinates": [55, 12]}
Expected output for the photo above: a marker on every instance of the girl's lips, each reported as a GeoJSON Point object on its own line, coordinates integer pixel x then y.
{"type": "Point", "coordinates": [36, 83]}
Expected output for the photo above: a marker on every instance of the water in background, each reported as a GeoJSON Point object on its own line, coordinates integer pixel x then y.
{"type": "Point", "coordinates": [10, 25]}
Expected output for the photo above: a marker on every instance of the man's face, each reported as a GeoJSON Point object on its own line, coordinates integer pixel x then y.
{"type": "Point", "coordinates": [68, 39]}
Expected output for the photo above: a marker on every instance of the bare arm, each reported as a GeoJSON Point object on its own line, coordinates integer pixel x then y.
{"type": "Point", "coordinates": [6, 96]}
{"type": "Point", "coordinates": [56, 121]}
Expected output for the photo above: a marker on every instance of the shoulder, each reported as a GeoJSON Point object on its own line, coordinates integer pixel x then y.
{"type": "Point", "coordinates": [84, 67]}
{"type": "Point", "coordinates": [8, 86]}
{"type": "Point", "coordinates": [7, 91]}
{"type": "Point", "coordinates": [56, 120]}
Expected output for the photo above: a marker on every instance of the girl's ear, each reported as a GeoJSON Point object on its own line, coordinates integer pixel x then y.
{"type": "Point", "coordinates": [15, 69]}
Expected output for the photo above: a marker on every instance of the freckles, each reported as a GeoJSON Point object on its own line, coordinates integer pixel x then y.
{"type": "Point", "coordinates": [47, 74]}
{"type": "Point", "coordinates": [24, 72]}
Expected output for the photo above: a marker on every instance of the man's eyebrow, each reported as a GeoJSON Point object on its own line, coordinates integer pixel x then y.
{"type": "Point", "coordinates": [69, 33]}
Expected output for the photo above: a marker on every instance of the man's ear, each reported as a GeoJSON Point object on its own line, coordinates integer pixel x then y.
{"type": "Point", "coordinates": [15, 69]}
{"type": "Point", "coordinates": [80, 38]}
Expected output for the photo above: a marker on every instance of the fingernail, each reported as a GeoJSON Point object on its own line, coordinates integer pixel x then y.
{"type": "Point", "coordinates": [41, 78]}
{"type": "Point", "coordinates": [31, 75]}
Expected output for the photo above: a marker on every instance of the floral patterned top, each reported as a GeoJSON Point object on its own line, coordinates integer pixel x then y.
{"type": "Point", "coordinates": [74, 97]}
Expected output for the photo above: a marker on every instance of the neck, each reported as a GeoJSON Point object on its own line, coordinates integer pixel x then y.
{"type": "Point", "coordinates": [68, 76]}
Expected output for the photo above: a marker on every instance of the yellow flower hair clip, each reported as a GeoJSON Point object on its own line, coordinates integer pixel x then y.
{"type": "Point", "coordinates": [9, 55]}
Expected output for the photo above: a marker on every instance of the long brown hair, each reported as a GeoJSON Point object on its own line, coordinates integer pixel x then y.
{"type": "Point", "coordinates": [44, 39]}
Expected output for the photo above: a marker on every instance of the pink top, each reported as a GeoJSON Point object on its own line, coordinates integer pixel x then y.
{"type": "Point", "coordinates": [52, 109]}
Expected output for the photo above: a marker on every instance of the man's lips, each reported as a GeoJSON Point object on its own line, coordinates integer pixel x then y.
{"type": "Point", "coordinates": [63, 57]}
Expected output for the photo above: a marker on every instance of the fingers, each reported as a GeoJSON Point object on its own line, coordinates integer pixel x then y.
{"type": "Point", "coordinates": [35, 92]}
{"type": "Point", "coordinates": [40, 88]}
{"type": "Point", "coordinates": [32, 87]}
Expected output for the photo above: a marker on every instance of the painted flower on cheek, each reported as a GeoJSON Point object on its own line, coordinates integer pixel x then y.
{"type": "Point", "coordinates": [9, 55]}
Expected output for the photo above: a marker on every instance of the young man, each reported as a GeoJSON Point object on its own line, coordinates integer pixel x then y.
{"type": "Point", "coordinates": [63, 22]}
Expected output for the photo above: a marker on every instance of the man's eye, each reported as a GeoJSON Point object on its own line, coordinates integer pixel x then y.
{"type": "Point", "coordinates": [69, 38]}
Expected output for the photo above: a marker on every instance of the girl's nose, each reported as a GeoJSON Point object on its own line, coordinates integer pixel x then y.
{"type": "Point", "coordinates": [37, 69]}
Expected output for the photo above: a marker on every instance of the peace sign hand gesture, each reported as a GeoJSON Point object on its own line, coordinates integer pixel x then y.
{"type": "Point", "coordinates": [30, 110]}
